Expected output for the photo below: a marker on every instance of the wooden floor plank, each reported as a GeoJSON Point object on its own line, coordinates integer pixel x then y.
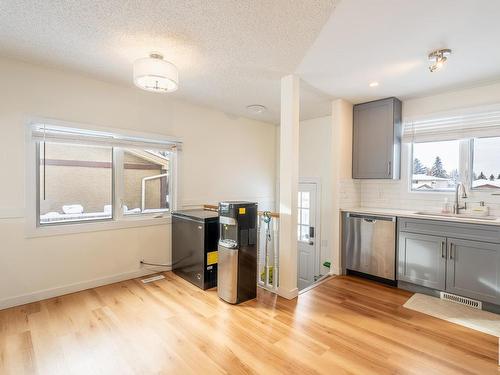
{"type": "Point", "coordinates": [346, 325]}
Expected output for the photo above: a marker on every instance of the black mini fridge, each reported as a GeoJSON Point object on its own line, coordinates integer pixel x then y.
{"type": "Point", "coordinates": [194, 246]}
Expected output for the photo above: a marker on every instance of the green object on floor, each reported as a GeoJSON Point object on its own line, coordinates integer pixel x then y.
{"type": "Point", "coordinates": [263, 275]}
{"type": "Point", "coordinates": [327, 264]}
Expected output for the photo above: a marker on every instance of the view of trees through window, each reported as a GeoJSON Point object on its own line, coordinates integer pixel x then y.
{"type": "Point", "coordinates": [435, 165]}
{"type": "Point", "coordinates": [486, 163]}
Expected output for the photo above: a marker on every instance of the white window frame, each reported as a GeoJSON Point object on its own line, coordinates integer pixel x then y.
{"type": "Point", "coordinates": [461, 150]}
{"type": "Point", "coordinates": [465, 167]}
{"type": "Point", "coordinates": [118, 220]}
{"type": "Point", "coordinates": [471, 165]}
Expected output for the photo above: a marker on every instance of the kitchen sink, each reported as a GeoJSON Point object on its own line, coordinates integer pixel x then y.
{"type": "Point", "coordinates": [464, 216]}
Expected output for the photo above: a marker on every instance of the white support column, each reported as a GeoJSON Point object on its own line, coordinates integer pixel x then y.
{"type": "Point", "coordinates": [341, 172]}
{"type": "Point", "coordinates": [288, 186]}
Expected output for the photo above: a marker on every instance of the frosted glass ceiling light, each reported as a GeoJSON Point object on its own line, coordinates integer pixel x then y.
{"type": "Point", "coordinates": [155, 74]}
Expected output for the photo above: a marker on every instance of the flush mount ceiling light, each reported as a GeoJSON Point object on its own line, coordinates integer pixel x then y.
{"type": "Point", "coordinates": [373, 84]}
{"type": "Point", "coordinates": [155, 74]}
{"type": "Point", "coordinates": [438, 58]}
{"type": "Point", "coordinates": [256, 108]}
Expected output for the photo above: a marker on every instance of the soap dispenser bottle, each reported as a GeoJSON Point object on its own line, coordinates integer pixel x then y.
{"type": "Point", "coordinates": [446, 208]}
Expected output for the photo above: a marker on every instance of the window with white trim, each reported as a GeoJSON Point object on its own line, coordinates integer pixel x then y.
{"type": "Point", "coordinates": [145, 181]}
{"type": "Point", "coordinates": [76, 183]}
{"type": "Point", "coordinates": [448, 148]}
{"type": "Point", "coordinates": [485, 163]}
{"type": "Point", "coordinates": [86, 176]}
{"type": "Point", "coordinates": [435, 166]}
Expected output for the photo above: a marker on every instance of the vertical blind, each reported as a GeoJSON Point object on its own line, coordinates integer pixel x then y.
{"type": "Point", "coordinates": [474, 122]}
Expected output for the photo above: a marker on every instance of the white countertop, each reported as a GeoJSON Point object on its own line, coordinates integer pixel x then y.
{"type": "Point", "coordinates": [413, 214]}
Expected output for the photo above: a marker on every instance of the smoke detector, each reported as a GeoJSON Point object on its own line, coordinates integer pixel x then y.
{"type": "Point", "coordinates": [256, 108]}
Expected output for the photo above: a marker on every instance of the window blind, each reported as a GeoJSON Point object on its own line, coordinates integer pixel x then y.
{"type": "Point", "coordinates": [58, 134]}
{"type": "Point", "coordinates": [458, 124]}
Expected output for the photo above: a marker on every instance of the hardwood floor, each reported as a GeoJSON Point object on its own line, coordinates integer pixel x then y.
{"type": "Point", "coordinates": [345, 325]}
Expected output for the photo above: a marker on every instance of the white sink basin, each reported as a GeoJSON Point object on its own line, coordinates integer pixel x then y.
{"type": "Point", "coordinates": [460, 216]}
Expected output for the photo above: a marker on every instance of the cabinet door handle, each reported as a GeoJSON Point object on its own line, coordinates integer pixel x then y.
{"type": "Point", "coordinates": [451, 251]}
{"type": "Point", "coordinates": [443, 251]}
{"type": "Point", "coordinates": [389, 168]}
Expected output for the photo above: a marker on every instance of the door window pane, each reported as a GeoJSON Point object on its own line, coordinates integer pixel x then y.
{"type": "Point", "coordinates": [145, 175]}
{"type": "Point", "coordinates": [75, 183]}
{"type": "Point", "coordinates": [435, 166]}
{"type": "Point", "coordinates": [486, 163]}
{"type": "Point", "coordinates": [305, 199]}
{"type": "Point", "coordinates": [305, 217]}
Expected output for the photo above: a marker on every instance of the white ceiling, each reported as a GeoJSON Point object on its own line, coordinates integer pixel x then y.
{"type": "Point", "coordinates": [388, 41]}
{"type": "Point", "coordinates": [229, 53]}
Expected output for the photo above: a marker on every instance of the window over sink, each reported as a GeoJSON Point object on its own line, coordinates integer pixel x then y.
{"type": "Point", "coordinates": [460, 146]}
{"type": "Point", "coordinates": [435, 166]}
{"type": "Point", "coordinates": [485, 155]}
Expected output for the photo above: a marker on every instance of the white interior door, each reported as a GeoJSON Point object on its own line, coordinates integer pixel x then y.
{"type": "Point", "coordinates": [306, 234]}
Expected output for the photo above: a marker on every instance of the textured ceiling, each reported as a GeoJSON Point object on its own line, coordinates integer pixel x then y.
{"type": "Point", "coordinates": [388, 41]}
{"type": "Point", "coordinates": [229, 53]}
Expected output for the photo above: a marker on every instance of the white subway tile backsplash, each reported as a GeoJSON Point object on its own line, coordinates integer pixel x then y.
{"type": "Point", "coordinates": [350, 193]}
{"type": "Point", "coordinates": [395, 194]}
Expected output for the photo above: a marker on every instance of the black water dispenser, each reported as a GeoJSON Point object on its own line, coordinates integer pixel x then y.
{"type": "Point", "coordinates": [237, 251]}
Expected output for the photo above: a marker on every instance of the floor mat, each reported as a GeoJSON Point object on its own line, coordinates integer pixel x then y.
{"type": "Point", "coordinates": [479, 320]}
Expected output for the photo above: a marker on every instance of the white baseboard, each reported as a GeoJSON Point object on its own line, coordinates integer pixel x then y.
{"type": "Point", "coordinates": [288, 294]}
{"type": "Point", "coordinates": [76, 287]}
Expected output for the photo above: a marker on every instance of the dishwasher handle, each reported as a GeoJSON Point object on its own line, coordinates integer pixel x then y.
{"type": "Point", "coordinates": [370, 218]}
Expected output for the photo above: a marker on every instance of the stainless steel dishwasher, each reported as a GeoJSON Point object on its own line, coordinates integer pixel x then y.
{"type": "Point", "coordinates": [369, 246]}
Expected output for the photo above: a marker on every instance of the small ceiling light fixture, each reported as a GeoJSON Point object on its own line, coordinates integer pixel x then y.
{"type": "Point", "coordinates": [256, 108]}
{"type": "Point", "coordinates": [373, 84]}
{"type": "Point", "coordinates": [438, 58]}
{"type": "Point", "coordinates": [155, 74]}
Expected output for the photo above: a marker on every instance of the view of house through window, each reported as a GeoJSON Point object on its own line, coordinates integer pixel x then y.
{"type": "Point", "coordinates": [435, 165]}
{"type": "Point", "coordinates": [75, 182]}
{"type": "Point", "coordinates": [486, 163]}
{"type": "Point", "coordinates": [145, 175]}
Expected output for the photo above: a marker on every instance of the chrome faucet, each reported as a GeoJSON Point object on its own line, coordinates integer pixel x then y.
{"type": "Point", "coordinates": [456, 206]}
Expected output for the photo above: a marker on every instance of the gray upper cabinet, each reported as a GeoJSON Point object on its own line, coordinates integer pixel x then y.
{"type": "Point", "coordinates": [422, 260]}
{"type": "Point", "coordinates": [377, 139]}
{"type": "Point", "coordinates": [473, 269]}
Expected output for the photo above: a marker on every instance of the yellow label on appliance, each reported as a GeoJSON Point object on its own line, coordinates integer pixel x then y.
{"type": "Point", "coordinates": [243, 210]}
{"type": "Point", "coordinates": [212, 258]}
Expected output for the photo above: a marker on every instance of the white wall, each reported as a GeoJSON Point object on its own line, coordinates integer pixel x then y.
{"type": "Point", "coordinates": [395, 194]}
{"type": "Point", "coordinates": [314, 163]}
{"type": "Point", "coordinates": [223, 157]}
{"type": "Point", "coordinates": [325, 154]}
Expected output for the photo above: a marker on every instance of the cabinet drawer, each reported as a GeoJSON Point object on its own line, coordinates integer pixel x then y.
{"type": "Point", "coordinates": [478, 232]}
